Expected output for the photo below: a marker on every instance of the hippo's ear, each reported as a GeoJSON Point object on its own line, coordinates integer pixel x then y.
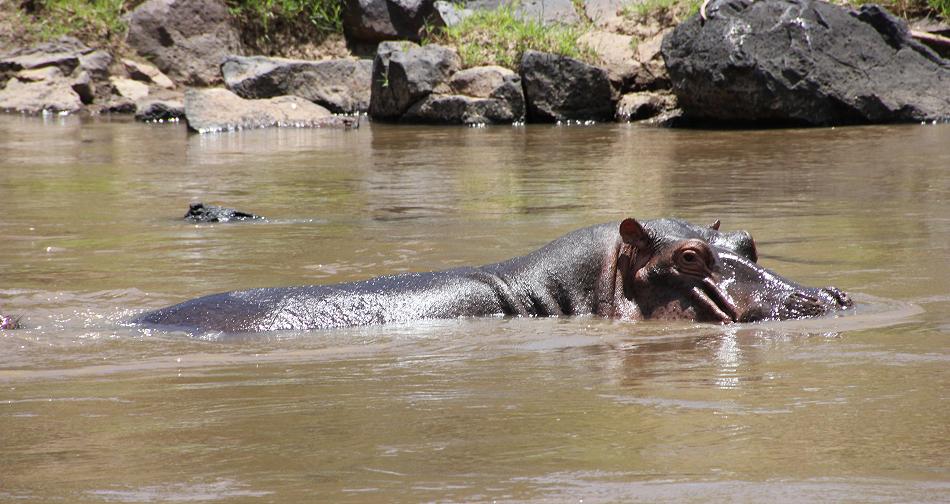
{"type": "Point", "coordinates": [715, 225]}
{"type": "Point", "coordinates": [633, 234]}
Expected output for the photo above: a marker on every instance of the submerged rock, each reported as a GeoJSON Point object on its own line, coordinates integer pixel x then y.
{"type": "Point", "coordinates": [804, 62]}
{"type": "Point", "coordinates": [212, 110]}
{"type": "Point", "coordinates": [186, 39]}
{"type": "Point", "coordinates": [559, 88]}
{"type": "Point", "coordinates": [199, 212]}
{"type": "Point", "coordinates": [342, 86]}
{"type": "Point", "coordinates": [159, 110]}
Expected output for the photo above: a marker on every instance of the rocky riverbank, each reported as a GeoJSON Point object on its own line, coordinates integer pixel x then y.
{"type": "Point", "coordinates": [769, 62]}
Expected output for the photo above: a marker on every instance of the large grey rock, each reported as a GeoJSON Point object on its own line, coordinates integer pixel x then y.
{"type": "Point", "coordinates": [559, 88]}
{"type": "Point", "coordinates": [458, 109]}
{"type": "Point", "coordinates": [217, 109]}
{"type": "Point", "coordinates": [804, 62]}
{"type": "Point", "coordinates": [62, 53]}
{"type": "Point", "coordinates": [342, 86]}
{"type": "Point", "coordinates": [31, 96]}
{"type": "Point", "coordinates": [404, 73]}
{"type": "Point", "coordinates": [186, 39]}
{"type": "Point", "coordinates": [96, 63]}
{"type": "Point", "coordinates": [374, 21]}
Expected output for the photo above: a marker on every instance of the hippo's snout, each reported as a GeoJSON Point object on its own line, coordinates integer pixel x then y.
{"type": "Point", "coordinates": [813, 303]}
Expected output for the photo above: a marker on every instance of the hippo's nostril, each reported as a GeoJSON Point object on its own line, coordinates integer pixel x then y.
{"type": "Point", "coordinates": [801, 305]}
{"type": "Point", "coordinates": [839, 296]}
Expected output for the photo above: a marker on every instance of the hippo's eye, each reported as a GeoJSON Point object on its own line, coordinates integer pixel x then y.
{"type": "Point", "coordinates": [690, 256]}
{"type": "Point", "coordinates": [693, 259]}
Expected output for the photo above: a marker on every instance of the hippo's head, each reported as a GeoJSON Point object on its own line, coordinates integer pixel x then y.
{"type": "Point", "coordinates": [678, 271]}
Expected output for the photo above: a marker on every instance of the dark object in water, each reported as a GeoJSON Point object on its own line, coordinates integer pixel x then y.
{"type": "Point", "coordinates": [199, 212]}
{"type": "Point", "coordinates": [9, 322]}
{"type": "Point", "coordinates": [664, 269]}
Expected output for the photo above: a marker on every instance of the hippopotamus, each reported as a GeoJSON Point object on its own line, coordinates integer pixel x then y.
{"type": "Point", "coordinates": [665, 269]}
{"type": "Point", "coordinates": [199, 212]}
{"type": "Point", "coordinates": [9, 322]}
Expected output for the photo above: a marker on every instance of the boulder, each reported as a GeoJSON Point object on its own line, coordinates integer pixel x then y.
{"type": "Point", "coordinates": [63, 53]}
{"type": "Point", "coordinates": [159, 110]}
{"type": "Point", "coordinates": [128, 88]}
{"type": "Point", "coordinates": [559, 88]}
{"type": "Point", "coordinates": [217, 109]}
{"type": "Point", "coordinates": [96, 63]}
{"type": "Point", "coordinates": [342, 86]}
{"type": "Point", "coordinates": [34, 94]}
{"type": "Point", "coordinates": [804, 62]}
{"type": "Point", "coordinates": [373, 21]}
{"type": "Point", "coordinates": [458, 109]}
{"type": "Point", "coordinates": [143, 72]}
{"type": "Point", "coordinates": [405, 73]}
{"type": "Point", "coordinates": [186, 39]}
{"type": "Point", "coordinates": [644, 105]}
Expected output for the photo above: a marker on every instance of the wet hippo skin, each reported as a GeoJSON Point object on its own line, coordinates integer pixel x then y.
{"type": "Point", "coordinates": [663, 269]}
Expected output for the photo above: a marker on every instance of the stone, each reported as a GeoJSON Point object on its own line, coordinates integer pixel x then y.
{"type": "Point", "coordinates": [96, 63]}
{"type": "Point", "coordinates": [34, 97]}
{"type": "Point", "coordinates": [373, 21]}
{"type": "Point", "coordinates": [804, 62]}
{"type": "Point", "coordinates": [159, 110]}
{"type": "Point", "coordinates": [559, 88]}
{"type": "Point", "coordinates": [342, 86]}
{"type": "Point", "coordinates": [84, 87]}
{"type": "Point", "coordinates": [128, 88]}
{"type": "Point", "coordinates": [458, 109]}
{"type": "Point", "coordinates": [644, 105]}
{"type": "Point", "coordinates": [185, 39]}
{"type": "Point", "coordinates": [217, 109]}
{"type": "Point", "coordinates": [40, 74]}
{"type": "Point", "coordinates": [118, 105]}
{"type": "Point", "coordinates": [146, 73]}
{"type": "Point", "coordinates": [404, 73]}
{"type": "Point", "coordinates": [63, 53]}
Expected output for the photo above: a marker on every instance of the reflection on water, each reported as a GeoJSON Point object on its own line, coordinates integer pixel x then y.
{"type": "Point", "coordinates": [848, 408]}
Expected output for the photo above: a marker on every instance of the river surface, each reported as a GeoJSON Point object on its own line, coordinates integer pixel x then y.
{"type": "Point", "coordinates": [852, 408]}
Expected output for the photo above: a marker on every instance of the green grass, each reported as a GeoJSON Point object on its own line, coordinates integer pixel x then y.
{"type": "Point", "coordinates": [322, 16]}
{"type": "Point", "coordinates": [498, 37]}
{"type": "Point", "coordinates": [647, 9]}
{"type": "Point", "coordinates": [86, 19]}
{"type": "Point", "coordinates": [941, 6]}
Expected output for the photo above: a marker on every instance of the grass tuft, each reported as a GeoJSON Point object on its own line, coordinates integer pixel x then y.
{"type": "Point", "coordinates": [499, 37]}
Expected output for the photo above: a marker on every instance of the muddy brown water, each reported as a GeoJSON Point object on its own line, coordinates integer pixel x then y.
{"type": "Point", "coordinates": [853, 408]}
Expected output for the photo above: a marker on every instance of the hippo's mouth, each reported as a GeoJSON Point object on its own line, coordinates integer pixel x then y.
{"type": "Point", "coordinates": [714, 301]}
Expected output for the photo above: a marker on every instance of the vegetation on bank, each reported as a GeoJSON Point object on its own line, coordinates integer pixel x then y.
{"type": "Point", "coordinates": [261, 22]}
{"type": "Point", "coordinates": [499, 37]}
{"type": "Point", "coordinates": [268, 26]}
